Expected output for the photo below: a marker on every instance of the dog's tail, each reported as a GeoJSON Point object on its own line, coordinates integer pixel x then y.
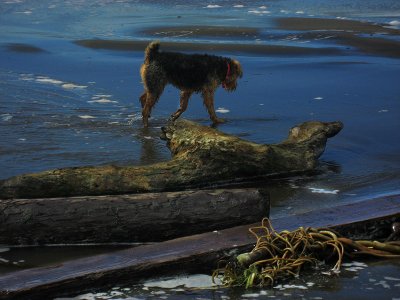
{"type": "Point", "coordinates": [151, 51]}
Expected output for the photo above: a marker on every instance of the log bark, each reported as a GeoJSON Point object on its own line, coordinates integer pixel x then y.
{"type": "Point", "coordinates": [150, 217]}
{"type": "Point", "coordinates": [198, 252]}
{"type": "Point", "coordinates": [202, 156]}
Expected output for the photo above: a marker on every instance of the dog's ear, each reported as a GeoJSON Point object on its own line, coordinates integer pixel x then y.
{"type": "Point", "coordinates": [237, 68]}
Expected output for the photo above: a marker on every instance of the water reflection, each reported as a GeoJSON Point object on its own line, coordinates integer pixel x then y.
{"type": "Point", "coordinates": [374, 279]}
{"type": "Point", "coordinates": [64, 105]}
{"type": "Point", "coordinates": [150, 151]}
{"type": "Point", "coordinates": [17, 258]}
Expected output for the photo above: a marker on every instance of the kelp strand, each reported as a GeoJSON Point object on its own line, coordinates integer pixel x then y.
{"type": "Point", "coordinates": [281, 255]}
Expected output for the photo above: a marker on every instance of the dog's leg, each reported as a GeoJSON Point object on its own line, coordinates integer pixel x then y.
{"type": "Point", "coordinates": [208, 98]}
{"type": "Point", "coordinates": [185, 95]}
{"type": "Point", "coordinates": [143, 99]}
{"type": "Point", "coordinates": [151, 99]}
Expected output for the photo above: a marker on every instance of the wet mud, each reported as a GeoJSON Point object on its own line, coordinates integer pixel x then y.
{"type": "Point", "coordinates": [363, 36]}
{"type": "Point", "coordinates": [24, 48]}
{"type": "Point", "coordinates": [260, 49]}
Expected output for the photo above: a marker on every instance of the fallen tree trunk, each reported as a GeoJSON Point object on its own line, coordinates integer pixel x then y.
{"type": "Point", "coordinates": [202, 156]}
{"type": "Point", "coordinates": [198, 252]}
{"type": "Point", "coordinates": [150, 217]}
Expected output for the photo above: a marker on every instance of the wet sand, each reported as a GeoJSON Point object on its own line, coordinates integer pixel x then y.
{"type": "Point", "coordinates": [343, 32]}
{"type": "Point", "coordinates": [347, 33]}
{"type": "Point", "coordinates": [372, 46]}
{"type": "Point", "coordinates": [257, 49]}
{"type": "Point", "coordinates": [24, 48]}
{"type": "Point", "coordinates": [296, 69]}
{"type": "Point", "coordinates": [333, 25]}
{"type": "Point", "coordinates": [202, 31]}
{"type": "Point", "coordinates": [368, 45]}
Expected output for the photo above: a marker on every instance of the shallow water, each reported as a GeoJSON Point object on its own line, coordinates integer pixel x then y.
{"type": "Point", "coordinates": [65, 103]}
{"type": "Point", "coordinates": [358, 280]}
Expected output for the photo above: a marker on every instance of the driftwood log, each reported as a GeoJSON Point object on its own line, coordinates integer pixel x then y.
{"type": "Point", "coordinates": [149, 217]}
{"type": "Point", "coordinates": [198, 252]}
{"type": "Point", "coordinates": [202, 156]}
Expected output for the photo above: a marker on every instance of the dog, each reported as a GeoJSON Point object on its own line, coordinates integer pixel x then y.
{"type": "Point", "coordinates": [190, 73]}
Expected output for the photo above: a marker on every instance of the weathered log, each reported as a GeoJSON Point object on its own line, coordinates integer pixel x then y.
{"type": "Point", "coordinates": [149, 217]}
{"type": "Point", "coordinates": [200, 252]}
{"type": "Point", "coordinates": [202, 156]}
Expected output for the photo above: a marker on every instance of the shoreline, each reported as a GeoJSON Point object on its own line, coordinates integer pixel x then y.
{"type": "Point", "coordinates": [289, 36]}
{"type": "Point", "coordinates": [201, 31]}
{"type": "Point", "coordinates": [327, 36]}
{"type": "Point", "coordinates": [348, 33]}
{"type": "Point", "coordinates": [326, 24]}
{"type": "Point", "coordinates": [257, 49]}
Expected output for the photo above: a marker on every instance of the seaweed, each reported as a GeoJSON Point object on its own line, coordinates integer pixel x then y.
{"type": "Point", "coordinates": [282, 255]}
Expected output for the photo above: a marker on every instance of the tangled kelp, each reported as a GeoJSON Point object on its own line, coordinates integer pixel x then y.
{"type": "Point", "coordinates": [281, 255]}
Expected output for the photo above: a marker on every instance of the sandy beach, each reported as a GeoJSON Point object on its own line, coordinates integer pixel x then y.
{"type": "Point", "coordinates": [70, 84]}
{"type": "Point", "coordinates": [342, 32]}
{"type": "Point", "coordinates": [208, 47]}
{"type": "Point", "coordinates": [321, 24]}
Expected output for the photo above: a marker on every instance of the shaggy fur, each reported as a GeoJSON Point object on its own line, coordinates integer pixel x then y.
{"type": "Point", "coordinates": [190, 73]}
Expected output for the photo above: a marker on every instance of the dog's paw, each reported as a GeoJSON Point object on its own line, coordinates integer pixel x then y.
{"type": "Point", "coordinates": [218, 121]}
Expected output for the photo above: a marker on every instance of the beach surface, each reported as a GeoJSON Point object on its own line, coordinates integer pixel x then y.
{"type": "Point", "coordinates": [70, 83]}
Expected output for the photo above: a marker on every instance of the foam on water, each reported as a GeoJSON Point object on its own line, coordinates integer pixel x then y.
{"type": "Point", "coordinates": [259, 12]}
{"type": "Point", "coordinates": [252, 295]}
{"type": "Point", "coordinates": [48, 80]}
{"type": "Point", "coordinates": [86, 117]}
{"type": "Point", "coordinates": [355, 264]}
{"type": "Point", "coordinates": [189, 281]}
{"type": "Point", "coordinates": [391, 278]}
{"type": "Point", "coordinates": [323, 191]}
{"type": "Point", "coordinates": [6, 117]}
{"type": "Point", "coordinates": [44, 79]}
{"type": "Point", "coordinates": [222, 110]}
{"type": "Point", "coordinates": [102, 99]}
{"type": "Point", "coordinates": [73, 86]}
{"type": "Point", "coordinates": [290, 286]}
{"type": "Point", "coordinates": [70, 95]}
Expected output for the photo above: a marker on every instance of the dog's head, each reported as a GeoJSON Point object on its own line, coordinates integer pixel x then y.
{"type": "Point", "coordinates": [235, 72]}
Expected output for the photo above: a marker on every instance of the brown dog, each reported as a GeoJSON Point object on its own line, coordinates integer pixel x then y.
{"type": "Point", "coordinates": [190, 73]}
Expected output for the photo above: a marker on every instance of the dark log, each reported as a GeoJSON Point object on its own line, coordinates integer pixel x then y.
{"type": "Point", "coordinates": [150, 217]}
{"type": "Point", "coordinates": [183, 254]}
{"type": "Point", "coordinates": [202, 156]}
